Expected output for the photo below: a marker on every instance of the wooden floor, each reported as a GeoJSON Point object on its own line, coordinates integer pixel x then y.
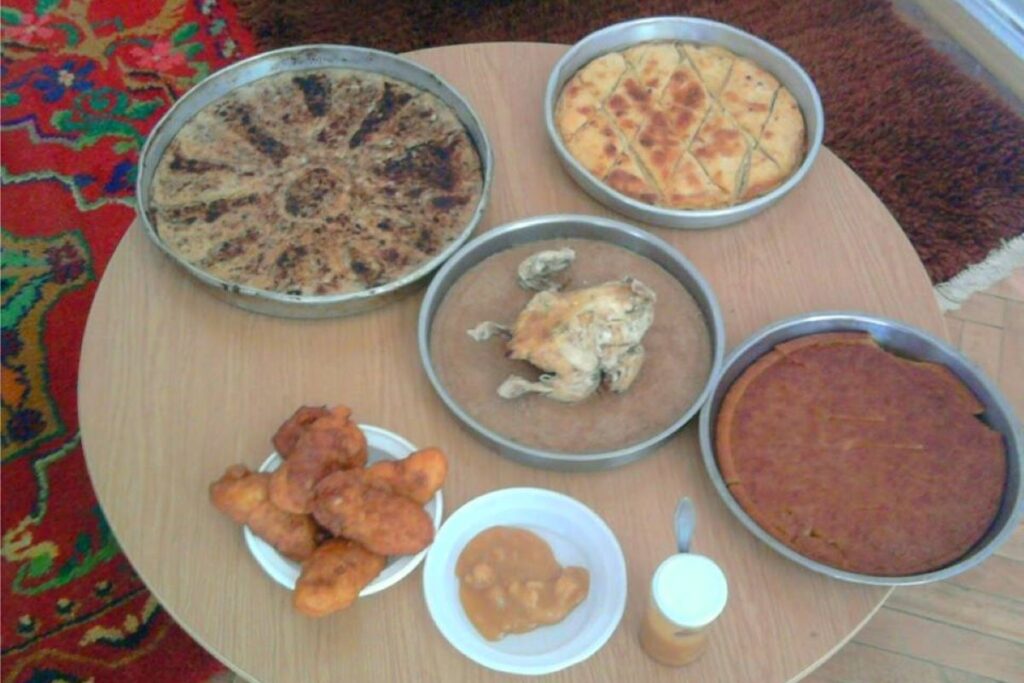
{"type": "Point", "coordinates": [969, 629]}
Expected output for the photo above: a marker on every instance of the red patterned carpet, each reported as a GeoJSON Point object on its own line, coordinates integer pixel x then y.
{"type": "Point", "coordinates": [82, 83]}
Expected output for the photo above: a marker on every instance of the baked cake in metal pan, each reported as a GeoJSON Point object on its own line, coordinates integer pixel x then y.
{"type": "Point", "coordinates": [858, 458]}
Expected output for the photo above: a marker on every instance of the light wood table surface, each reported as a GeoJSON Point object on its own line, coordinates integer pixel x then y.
{"type": "Point", "coordinates": [175, 385]}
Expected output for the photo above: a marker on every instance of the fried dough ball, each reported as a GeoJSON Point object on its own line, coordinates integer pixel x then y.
{"type": "Point", "coordinates": [243, 496]}
{"type": "Point", "coordinates": [333, 576]}
{"type": "Point", "coordinates": [327, 444]}
{"type": "Point", "coordinates": [417, 477]}
{"type": "Point", "coordinates": [347, 505]}
{"type": "Point", "coordinates": [288, 433]}
{"type": "Point", "coordinates": [291, 485]}
{"type": "Point", "coordinates": [238, 493]}
{"type": "Point", "coordinates": [336, 436]}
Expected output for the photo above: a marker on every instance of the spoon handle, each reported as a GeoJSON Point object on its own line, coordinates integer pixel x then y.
{"type": "Point", "coordinates": [685, 521]}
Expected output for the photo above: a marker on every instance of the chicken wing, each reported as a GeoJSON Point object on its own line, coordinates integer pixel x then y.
{"type": "Point", "coordinates": [327, 444]}
{"type": "Point", "coordinates": [349, 506]}
{"type": "Point", "coordinates": [244, 497]}
{"type": "Point", "coordinates": [417, 477]}
{"type": "Point", "coordinates": [333, 576]}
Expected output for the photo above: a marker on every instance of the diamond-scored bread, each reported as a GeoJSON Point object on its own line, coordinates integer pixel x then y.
{"type": "Point", "coordinates": [682, 125]}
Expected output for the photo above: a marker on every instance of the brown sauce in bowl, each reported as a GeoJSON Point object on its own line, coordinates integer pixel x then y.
{"type": "Point", "coordinates": [676, 366]}
{"type": "Point", "coordinates": [510, 582]}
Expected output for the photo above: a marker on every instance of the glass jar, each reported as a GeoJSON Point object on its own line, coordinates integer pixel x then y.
{"type": "Point", "coordinates": [688, 592]}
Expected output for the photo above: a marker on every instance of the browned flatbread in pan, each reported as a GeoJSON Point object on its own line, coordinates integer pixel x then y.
{"type": "Point", "coordinates": [697, 126]}
{"type": "Point", "coordinates": [858, 458]}
{"type": "Point", "coordinates": [317, 182]}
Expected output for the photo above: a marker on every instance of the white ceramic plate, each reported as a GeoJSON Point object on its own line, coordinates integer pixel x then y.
{"type": "Point", "coordinates": [381, 445]}
{"type": "Point", "coordinates": [576, 535]}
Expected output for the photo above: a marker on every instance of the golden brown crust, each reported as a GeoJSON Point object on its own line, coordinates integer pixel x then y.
{"type": "Point", "coordinates": [658, 148]}
{"type": "Point", "coordinates": [629, 104]}
{"type": "Point", "coordinates": [825, 339]}
{"type": "Point", "coordinates": [627, 176]}
{"type": "Point", "coordinates": [655, 67]}
{"type": "Point", "coordinates": [690, 186]}
{"type": "Point", "coordinates": [748, 96]}
{"type": "Point", "coordinates": [661, 106]}
{"type": "Point", "coordinates": [324, 444]}
{"type": "Point", "coordinates": [349, 505]}
{"type": "Point", "coordinates": [858, 458]}
{"type": "Point", "coordinates": [333, 575]}
{"type": "Point", "coordinates": [783, 137]}
{"type": "Point", "coordinates": [243, 496]}
{"type": "Point", "coordinates": [417, 477]}
{"type": "Point", "coordinates": [713, 63]}
{"type": "Point", "coordinates": [727, 414]}
{"type": "Point", "coordinates": [665, 137]}
{"type": "Point", "coordinates": [287, 435]}
{"type": "Point", "coordinates": [603, 73]}
{"type": "Point", "coordinates": [721, 148]}
{"type": "Point", "coordinates": [763, 174]}
{"type": "Point", "coordinates": [579, 106]}
{"type": "Point", "coordinates": [317, 182]}
{"type": "Point", "coordinates": [598, 145]}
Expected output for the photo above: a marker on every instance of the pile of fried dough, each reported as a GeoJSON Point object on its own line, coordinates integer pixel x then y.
{"type": "Point", "coordinates": [324, 508]}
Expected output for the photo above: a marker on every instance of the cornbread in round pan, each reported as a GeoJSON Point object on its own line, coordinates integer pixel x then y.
{"type": "Point", "coordinates": [682, 125]}
{"type": "Point", "coordinates": [858, 458]}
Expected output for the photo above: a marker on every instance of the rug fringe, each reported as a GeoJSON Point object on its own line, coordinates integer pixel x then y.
{"type": "Point", "coordinates": [997, 266]}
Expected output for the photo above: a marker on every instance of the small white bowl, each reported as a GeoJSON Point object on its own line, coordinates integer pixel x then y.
{"type": "Point", "coordinates": [577, 536]}
{"type": "Point", "coordinates": [381, 445]}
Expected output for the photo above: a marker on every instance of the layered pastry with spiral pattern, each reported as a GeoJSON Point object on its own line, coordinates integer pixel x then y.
{"type": "Point", "coordinates": [317, 182]}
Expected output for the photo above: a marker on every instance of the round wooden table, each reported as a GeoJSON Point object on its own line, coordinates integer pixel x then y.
{"type": "Point", "coordinates": [175, 385]}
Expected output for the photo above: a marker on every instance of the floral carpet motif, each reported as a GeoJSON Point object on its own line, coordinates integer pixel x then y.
{"type": "Point", "coordinates": [82, 84]}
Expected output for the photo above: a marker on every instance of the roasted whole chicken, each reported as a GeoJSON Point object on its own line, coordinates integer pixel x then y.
{"type": "Point", "coordinates": [580, 339]}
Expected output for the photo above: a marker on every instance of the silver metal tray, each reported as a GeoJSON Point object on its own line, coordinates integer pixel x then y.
{"type": "Point", "coordinates": [299, 58]}
{"type": "Point", "coordinates": [620, 36]}
{"type": "Point", "coordinates": [905, 341]}
{"type": "Point", "coordinates": [564, 227]}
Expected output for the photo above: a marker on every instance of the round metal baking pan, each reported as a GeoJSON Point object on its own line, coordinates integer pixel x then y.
{"type": "Point", "coordinates": [620, 36]}
{"type": "Point", "coordinates": [905, 341]}
{"type": "Point", "coordinates": [299, 58]}
{"type": "Point", "coordinates": [565, 227]}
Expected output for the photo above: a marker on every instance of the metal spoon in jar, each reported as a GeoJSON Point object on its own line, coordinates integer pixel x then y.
{"type": "Point", "coordinates": [685, 521]}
